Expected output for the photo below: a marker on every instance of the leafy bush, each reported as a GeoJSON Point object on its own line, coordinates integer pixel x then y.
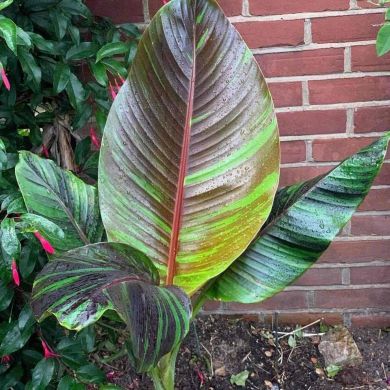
{"type": "Point", "coordinates": [60, 69]}
{"type": "Point", "coordinates": [188, 176]}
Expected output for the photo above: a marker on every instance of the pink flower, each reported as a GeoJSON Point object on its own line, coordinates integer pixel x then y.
{"type": "Point", "coordinates": [15, 273]}
{"type": "Point", "coordinates": [45, 244]}
{"type": "Point", "coordinates": [112, 91]}
{"type": "Point", "coordinates": [164, 1]}
{"type": "Point", "coordinates": [45, 151]}
{"type": "Point", "coordinates": [47, 351]}
{"type": "Point", "coordinates": [4, 78]}
{"type": "Point", "coordinates": [122, 80]}
{"type": "Point", "coordinates": [94, 138]}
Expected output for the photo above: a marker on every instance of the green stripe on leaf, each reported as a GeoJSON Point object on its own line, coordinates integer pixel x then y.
{"type": "Point", "coordinates": [80, 285]}
{"type": "Point", "coordinates": [304, 220]}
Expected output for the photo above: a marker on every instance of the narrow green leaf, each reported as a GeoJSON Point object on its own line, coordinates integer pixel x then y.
{"type": "Point", "coordinates": [111, 49]}
{"type": "Point", "coordinates": [5, 4]}
{"type": "Point", "coordinates": [18, 333]}
{"type": "Point", "coordinates": [304, 220]}
{"type": "Point", "coordinates": [115, 67]}
{"type": "Point", "coordinates": [82, 51]}
{"type": "Point", "coordinates": [75, 7]}
{"type": "Point", "coordinates": [90, 374]}
{"type": "Point", "coordinates": [99, 71]}
{"type": "Point", "coordinates": [75, 91]}
{"type": "Point", "coordinates": [59, 22]}
{"type": "Point", "coordinates": [30, 68]}
{"type": "Point", "coordinates": [61, 77]}
{"type": "Point", "coordinates": [68, 383]}
{"type": "Point", "coordinates": [42, 374]}
{"type": "Point", "coordinates": [8, 32]}
{"type": "Point", "coordinates": [62, 198]}
{"type": "Point", "coordinates": [10, 244]}
{"type": "Point", "coordinates": [6, 295]}
{"type": "Point", "coordinates": [79, 286]}
{"type": "Point", "coordinates": [383, 40]}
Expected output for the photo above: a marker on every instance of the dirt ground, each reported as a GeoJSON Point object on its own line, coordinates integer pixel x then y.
{"type": "Point", "coordinates": [217, 348]}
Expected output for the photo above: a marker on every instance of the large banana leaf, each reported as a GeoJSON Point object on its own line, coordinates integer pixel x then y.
{"type": "Point", "coordinates": [62, 198]}
{"type": "Point", "coordinates": [80, 285]}
{"type": "Point", "coordinates": [189, 163]}
{"type": "Point", "coordinates": [304, 220]}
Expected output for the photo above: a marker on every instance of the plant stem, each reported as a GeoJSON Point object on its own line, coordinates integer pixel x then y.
{"type": "Point", "coordinates": [163, 375]}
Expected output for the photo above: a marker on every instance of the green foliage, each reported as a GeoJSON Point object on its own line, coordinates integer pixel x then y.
{"type": "Point", "coordinates": [44, 56]}
{"type": "Point", "coordinates": [187, 177]}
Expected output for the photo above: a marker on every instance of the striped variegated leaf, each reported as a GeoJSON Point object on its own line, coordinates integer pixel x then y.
{"type": "Point", "coordinates": [189, 163]}
{"type": "Point", "coordinates": [304, 220]}
{"type": "Point", "coordinates": [80, 285]}
{"type": "Point", "coordinates": [62, 198]}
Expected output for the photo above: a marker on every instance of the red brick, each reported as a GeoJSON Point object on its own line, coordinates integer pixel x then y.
{"type": "Point", "coordinates": [377, 200]}
{"type": "Point", "coordinates": [351, 299]}
{"type": "Point", "coordinates": [381, 320]}
{"type": "Point", "coordinates": [339, 149]}
{"type": "Point", "coordinates": [276, 33]}
{"type": "Point", "coordinates": [281, 7]}
{"type": "Point", "coordinates": [346, 28]}
{"type": "Point", "coordinates": [293, 175]}
{"type": "Point", "coordinates": [293, 151]}
{"type": "Point", "coordinates": [369, 4]}
{"type": "Point", "coordinates": [286, 94]}
{"type": "Point", "coordinates": [300, 63]}
{"type": "Point", "coordinates": [312, 122]}
{"type": "Point", "coordinates": [372, 119]}
{"type": "Point", "coordinates": [281, 301]}
{"type": "Point", "coordinates": [230, 7]}
{"type": "Point", "coordinates": [349, 90]}
{"type": "Point", "coordinates": [357, 251]}
{"type": "Point", "coordinates": [384, 176]}
{"type": "Point", "coordinates": [365, 59]}
{"type": "Point", "coordinates": [370, 225]}
{"type": "Point", "coordinates": [319, 277]}
{"type": "Point", "coordinates": [370, 275]}
{"type": "Point", "coordinates": [304, 318]}
{"type": "Point", "coordinates": [119, 11]}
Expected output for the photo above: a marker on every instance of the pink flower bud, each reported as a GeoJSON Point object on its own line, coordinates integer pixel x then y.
{"type": "Point", "coordinates": [45, 244]}
{"type": "Point", "coordinates": [47, 351]}
{"type": "Point", "coordinates": [5, 78]}
{"type": "Point", "coordinates": [15, 272]}
{"type": "Point", "coordinates": [94, 138]}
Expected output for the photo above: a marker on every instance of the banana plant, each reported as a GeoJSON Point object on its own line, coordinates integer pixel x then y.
{"type": "Point", "coordinates": [188, 176]}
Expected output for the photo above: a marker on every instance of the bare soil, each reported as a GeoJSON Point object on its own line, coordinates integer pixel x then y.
{"type": "Point", "coordinates": [219, 347]}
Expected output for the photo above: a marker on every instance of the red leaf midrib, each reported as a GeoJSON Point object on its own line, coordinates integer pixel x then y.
{"type": "Point", "coordinates": [179, 199]}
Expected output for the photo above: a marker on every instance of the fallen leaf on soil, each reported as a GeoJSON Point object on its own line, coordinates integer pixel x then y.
{"type": "Point", "coordinates": [240, 378]}
{"type": "Point", "coordinates": [268, 353]}
{"type": "Point", "coordinates": [314, 360]}
{"type": "Point", "coordinates": [268, 384]}
{"type": "Point", "coordinates": [221, 371]}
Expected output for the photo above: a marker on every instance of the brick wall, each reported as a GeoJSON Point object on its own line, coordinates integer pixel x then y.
{"type": "Point", "coordinates": [332, 96]}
